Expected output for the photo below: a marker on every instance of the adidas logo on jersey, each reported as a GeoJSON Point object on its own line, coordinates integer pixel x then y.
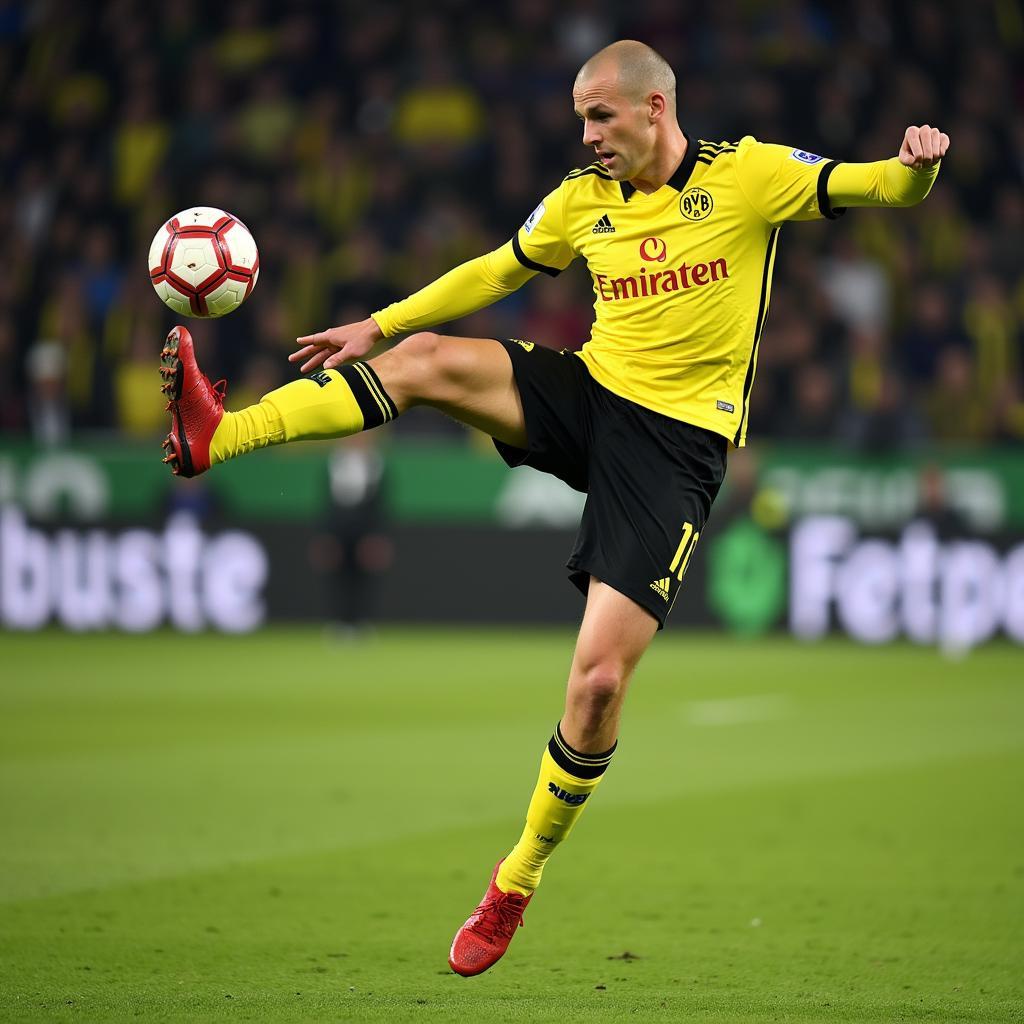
{"type": "Point", "coordinates": [661, 587]}
{"type": "Point", "coordinates": [604, 226]}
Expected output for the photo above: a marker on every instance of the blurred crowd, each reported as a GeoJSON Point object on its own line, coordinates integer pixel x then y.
{"type": "Point", "coordinates": [371, 147]}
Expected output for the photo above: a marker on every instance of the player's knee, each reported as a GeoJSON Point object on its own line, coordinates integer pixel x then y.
{"type": "Point", "coordinates": [421, 347]}
{"type": "Point", "coordinates": [413, 359]}
{"type": "Point", "coordinates": [429, 366]}
{"type": "Point", "coordinates": [600, 686]}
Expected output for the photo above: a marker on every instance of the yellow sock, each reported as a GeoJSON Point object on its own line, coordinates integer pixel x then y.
{"type": "Point", "coordinates": [330, 403]}
{"type": "Point", "coordinates": [567, 778]}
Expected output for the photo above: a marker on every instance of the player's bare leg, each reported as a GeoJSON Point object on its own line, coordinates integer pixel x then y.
{"type": "Point", "coordinates": [614, 634]}
{"type": "Point", "coordinates": [470, 379]}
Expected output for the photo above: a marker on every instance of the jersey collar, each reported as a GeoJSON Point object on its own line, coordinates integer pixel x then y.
{"type": "Point", "coordinates": [680, 176]}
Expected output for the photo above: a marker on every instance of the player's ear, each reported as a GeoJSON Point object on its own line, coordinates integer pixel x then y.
{"type": "Point", "coordinates": [656, 106]}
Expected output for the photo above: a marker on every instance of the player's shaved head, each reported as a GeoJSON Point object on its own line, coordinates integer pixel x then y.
{"type": "Point", "coordinates": [636, 69]}
{"type": "Point", "coordinates": [625, 96]}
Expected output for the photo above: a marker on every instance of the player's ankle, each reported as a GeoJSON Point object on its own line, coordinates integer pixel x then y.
{"type": "Point", "coordinates": [515, 876]}
{"type": "Point", "coordinates": [223, 441]}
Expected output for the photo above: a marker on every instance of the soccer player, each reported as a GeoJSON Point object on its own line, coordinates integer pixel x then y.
{"type": "Point", "coordinates": [679, 236]}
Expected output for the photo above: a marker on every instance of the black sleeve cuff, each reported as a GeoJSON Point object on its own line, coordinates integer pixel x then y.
{"type": "Point", "coordinates": [528, 263]}
{"type": "Point", "coordinates": [824, 203]}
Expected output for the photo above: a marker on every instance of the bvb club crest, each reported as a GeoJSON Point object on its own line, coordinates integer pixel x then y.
{"type": "Point", "coordinates": [696, 204]}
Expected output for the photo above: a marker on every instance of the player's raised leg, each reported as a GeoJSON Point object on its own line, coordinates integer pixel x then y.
{"type": "Point", "coordinates": [614, 634]}
{"type": "Point", "coordinates": [469, 378]}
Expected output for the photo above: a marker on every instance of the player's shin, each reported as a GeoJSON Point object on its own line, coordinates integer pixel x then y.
{"type": "Point", "coordinates": [328, 403]}
{"type": "Point", "coordinates": [567, 778]}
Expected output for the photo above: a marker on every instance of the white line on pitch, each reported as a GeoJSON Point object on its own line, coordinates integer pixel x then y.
{"type": "Point", "coordinates": [737, 710]}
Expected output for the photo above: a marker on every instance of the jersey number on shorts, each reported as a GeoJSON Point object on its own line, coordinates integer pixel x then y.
{"type": "Point", "coordinates": [685, 549]}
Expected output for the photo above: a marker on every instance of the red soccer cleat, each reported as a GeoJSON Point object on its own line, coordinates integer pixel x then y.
{"type": "Point", "coordinates": [481, 942]}
{"type": "Point", "coordinates": [196, 406]}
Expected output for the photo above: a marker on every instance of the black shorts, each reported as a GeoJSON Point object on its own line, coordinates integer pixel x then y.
{"type": "Point", "coordinates": [649, 479]}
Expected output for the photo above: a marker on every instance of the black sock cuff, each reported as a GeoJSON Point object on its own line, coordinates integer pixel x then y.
{"type": "Point", "coordinates": [374, 402]}
{"type": "Point", "coordinates": [583, 766]}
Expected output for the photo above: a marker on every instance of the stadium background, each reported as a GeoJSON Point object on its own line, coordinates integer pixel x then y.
{"type": "Point", "coordinates": [201, 826]}
{"type": "Point", "coordinates": [372, 149]}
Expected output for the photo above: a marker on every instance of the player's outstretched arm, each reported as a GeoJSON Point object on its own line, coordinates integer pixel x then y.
{"type": "Point", "coordinates": [901, 181]}
{"type": "Point", "coordinates": [461, 291]}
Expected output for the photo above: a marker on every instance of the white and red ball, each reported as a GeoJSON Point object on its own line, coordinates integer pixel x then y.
{"type": "Point", "coordinates": [203, 262]}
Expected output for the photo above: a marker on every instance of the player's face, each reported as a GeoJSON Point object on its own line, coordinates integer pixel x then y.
{"type": "Point", "coordinates": [617, 128]}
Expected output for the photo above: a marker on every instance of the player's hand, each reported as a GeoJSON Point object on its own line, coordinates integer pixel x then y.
{"type": "Point", "coordinates": [923, 147]}
{"type": "Point", "coordinates": [337, 346]}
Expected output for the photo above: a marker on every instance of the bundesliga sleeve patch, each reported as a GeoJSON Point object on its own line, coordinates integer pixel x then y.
{"type": "Point", "coordinates": [806, 158]}
{"type": "Point", "coordinates": [534, 219]}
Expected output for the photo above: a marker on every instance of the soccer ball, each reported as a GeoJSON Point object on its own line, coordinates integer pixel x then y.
{"type": "Point", "coordinates": [203, 262]}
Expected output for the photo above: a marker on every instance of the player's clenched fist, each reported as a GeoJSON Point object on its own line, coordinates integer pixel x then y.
{"type": "Point", "coordinates": [923, 146]}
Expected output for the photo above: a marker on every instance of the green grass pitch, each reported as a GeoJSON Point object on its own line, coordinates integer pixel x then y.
{"type": "Point", "coordinates": [281, 828]}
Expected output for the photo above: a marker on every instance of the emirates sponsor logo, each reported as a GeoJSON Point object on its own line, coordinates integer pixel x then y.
{"type": "Point", "coordinates": [645, 285]}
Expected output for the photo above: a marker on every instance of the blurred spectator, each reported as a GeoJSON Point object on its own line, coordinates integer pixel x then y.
{"type": "Point", "coordinates": [931, 329]}
{"type": "Point", "coordinates": [338, 183]}
{"type": "Point", "coordinates": [557, 319]}
{"type": "Point", "coordinates": [362, 265]}
{"type": "Point", "coordinates": [992, 326]}
{"type": "Point", "coordinates": [200, 128]}
{"type": "Point", "coordinates": [813, 413]}
{"type": "Point", "coordinates": [856, 285]}
{"type": "Point", "coordinates": [934, 505]}
{"type": "Point", "coordinates": [438, 116]}
{"type": "Point", "coordinates": [12, 387]}
{"type": "Point", "coordinates": [49, 416]}
{"type": "Point", "coordinates": [101, 275]}
{"type": "Point", "coordinates": [866, 368]}
{"type": "Point", "coordinates": [584, 28]}
{"type": "Point", "coordinates": [943, 233]}
{"type": "Point", "coordinates": [267, 120]}
{"type": "Point", "coordinates": [140, 144]}
{"type": "Point", "coordinates": [354, 549]}
{"type": "Point", "coordinates": [1006, 233]}
{"type": "Point", "coordinates": [248, 39]}
{"type": "Point", "coordinates": [1010, 413]}
{"type": "Point", "coordinates": [194, 498]}
{"type": "Point", "coordinates": [137, 413]}
{"type": "Point", "coordinates": [262, 375]}
{"type": "Point", "coordinates": [37, 200]}
{"type": "Point", "coordinates": [953, 406]}
{"type": "Point", "coordinates": [887, 421]}
{"type": "Point", "coordinates": [64, 318]}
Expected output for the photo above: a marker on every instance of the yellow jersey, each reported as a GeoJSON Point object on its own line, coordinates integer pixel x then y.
{"type": "Point", "coordinates": [682, 276]}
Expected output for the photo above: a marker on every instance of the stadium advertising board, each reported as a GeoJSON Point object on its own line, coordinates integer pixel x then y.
{"type": "Point", "coordinates": [134, 579]}
{"type": "Point", "coordinates": [826, 574]}
{"type": "Point", "coordinates": [957, 592]}
{"type": "Point", "coordinates": [86, 542]}
{"type": "Point", "coordinates": [820, 576]}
